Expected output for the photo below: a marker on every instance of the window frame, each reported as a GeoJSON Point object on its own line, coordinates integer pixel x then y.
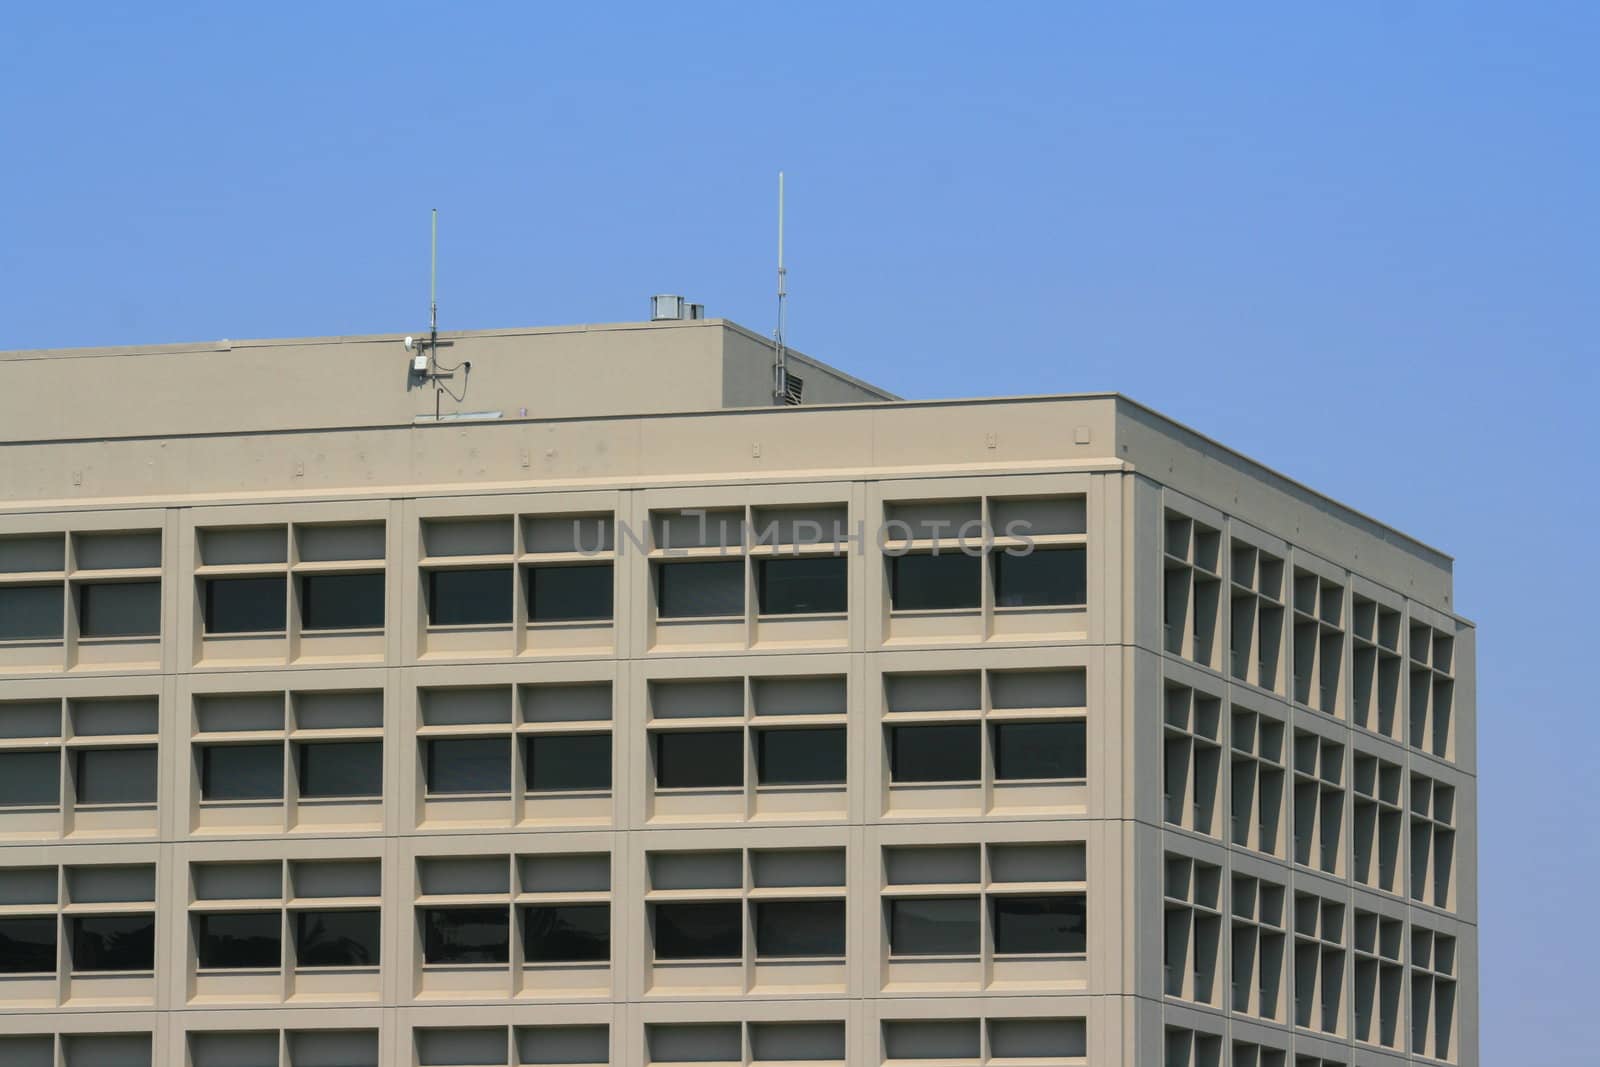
{"type": "Point", "coordinates": [531, 573]}
{"type": "Point", "coordinates": [304, 582]}
{"type": "Point", "coordinates": [301, 751]}
{"type": "Point", "coordinates": [731, 914]}
{"type": "Point", "coordinates": [201, 920]}
{"type": "Point", "coordinates": [85, 591]}
{"type": "Point", "coordinates": [661, 738]}
{"type": "Point", "coordinates": [524, 912]}
{"type": "Point", "coordinates": [297, 918]}
{"type": "Point", "coordinates": [431, 600]}
{"type": "Point", "coordinates": [529, 742]}
{"type": "Point", "coordinates": [211, 583]}
{"type": "Point", "coordinates": [45, 636]}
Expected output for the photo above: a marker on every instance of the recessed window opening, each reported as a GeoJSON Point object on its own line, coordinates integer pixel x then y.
{"type": "Point", "coordinates": [119, 609]}
{"type": "Point", "coordinates": [342, 601]}
{"type": "Point", "coordinates": [470, 596]}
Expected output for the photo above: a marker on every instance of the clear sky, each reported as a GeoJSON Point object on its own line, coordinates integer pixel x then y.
{"type": "Point", "coordinates": [1356, 242]}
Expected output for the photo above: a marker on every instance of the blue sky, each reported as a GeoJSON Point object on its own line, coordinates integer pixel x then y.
{"type": "Point", "coordinates": [1356, 242]}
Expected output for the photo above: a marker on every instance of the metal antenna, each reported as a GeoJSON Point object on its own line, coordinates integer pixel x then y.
{"type": "Point", "coordinates": [433, 314]}
{"type": "Point", "coordinates": [433, 282]}
{"type": "Point", "coordinates": [780, 365]}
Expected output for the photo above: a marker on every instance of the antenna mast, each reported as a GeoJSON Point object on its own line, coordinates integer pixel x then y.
{"type": "Point", "coordinates": [433, 313]}
{"type": "Point", "coordinates": [780, 365]}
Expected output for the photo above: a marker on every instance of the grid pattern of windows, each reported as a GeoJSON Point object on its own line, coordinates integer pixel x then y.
{"type": "Point", "coordinates": [300, 578]}
{"type": "Point", "coordinates": [1257, 946]}
{"type": "Point", "coordinates": [1255, 631]}
{"type": "Point", "coordinates": [1256, 782]}
{"type": "Point", "coordinates": [518, 923]}
{"type": "Point", "coordinates": [992, 739]}
{"type": "Point", "coordinates": [1375, 667]}
{"type": "Point", "coordinates": [706, 562]}
{"type": "Point", "coordinates": [1376, 823]}
{"type": "Point", "coordinates": [1192, 951]}
{"type": "Point", "coordinates": [507, 754]}
{"type": "Point", "coordinates": [286, 923]}
{"type": "Point", "coordinates": [1344, 648]}
{"type": "Point", "coordinates": [1379, 940]}
{"type": "Point", "coordinates": [1319, 963]}
{"type": "Point", "coordinates": [66, 931]}
{"type": "Point", "coordinates": [757, 794]}
{"type": "Point", "coordinates": [274, 761]}
{"type": "Point", "coordinates": [746, 913]}
{"type": "Point", "coordinates": [1193, 590]}
{"type": "Point", "coordinates": [993, 556]}
{"type": "Point", "coordinates": [80, 765]}
{"type": "Point", "coordinates": [1433, 994]}
{"type": "Point", "coordinates": [1433, 841]}
{"type": "Point", "coordinates": [1318, 641]}
{"type": "Point", "coordinates": [1432, 690]}
{"type": "Point", "coordinates": [1000, 902]}
{"type": "Point", "coordinates": [1318, 802]}
{"type": "Point", "coordinates": [82, 599]}
{"type": "Point", "coordinates": [738, 747]}
{"type": "Point", "coordinates": [1192, 760]}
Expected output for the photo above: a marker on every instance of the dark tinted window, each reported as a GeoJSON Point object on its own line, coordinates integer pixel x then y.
{"type": "Point", "coordinates": [341, 601]}
{"type": "Point", "coordinates": [799, 928]}
{"type": "Point", "coordinates": [471, 597]}
{"type": "Point", "coordinates": [701, 930]}
{"type": "Point", "coordinates": [469, 765]}
{"type": "Point", "coordinates": [30, 612]}
{"type": "Point", "coordinates": [241, 772]}
{"type": "Point", "coordinates": [244, 605]}
{"type": "Point", "coordinates": [800, 757]}
{"type": "Point", "coordinates": [567, 762]}
{"type": "Point", "coordinates": [341, 769]}
{"type": "Point", "coordinates": [803, 585]}
{"type": "Point", "coordinates": [699, 759]}
{"type": "Point", "coordinates": [466, 935]}
{"type": "Point", "coordinates": [119, 609]}
{"type": "Point", "coordinates": [567, 933]}
{"type": "Point", "coordinates": [30, 779]}
{"type": "Point", "coordinates": [939, 926]}
{"type": "Point", "coordinates": [28, 945]}
{"type": "Point", "coordinates": [700, 589]}
{"type": "Point", "coordinates": [1039, 924]}
{"type": "Point", "coordinates": [229, 939]}
{"type": "Point", "coordinates": [951, 579]}
{"type": "Point", "coordinates": [940, 753]}
{"type": "Point", "coordinates": [569, 594]}
{"type": "Point", "coordinates": [116, 775]}
{"type": "Point", "coordinates": [113, 942]}
{"type": "Point", "coordinates": [1040, 750]}
{"type": "Point", "coordinates": [337, 938]}
{"type": "Point", "coordinates": [1044, 576]}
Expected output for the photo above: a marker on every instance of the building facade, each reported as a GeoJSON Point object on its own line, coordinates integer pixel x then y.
{"type": "Point", "coordinates": [611, 715]}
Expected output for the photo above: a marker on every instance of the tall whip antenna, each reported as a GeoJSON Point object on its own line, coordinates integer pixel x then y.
{"type": "Point", "coordinates": [433, 281]}
{"type": "Point", "coordinates": [780, 364]}
{"type": "Point", "coordinates": [433, 313]}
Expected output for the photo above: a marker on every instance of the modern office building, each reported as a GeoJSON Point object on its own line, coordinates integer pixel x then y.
{"type": "Point", "coordinates": [581, 705]}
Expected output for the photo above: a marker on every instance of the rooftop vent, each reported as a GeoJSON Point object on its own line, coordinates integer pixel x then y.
{"type": "Point", "coordinates": [667, 307]}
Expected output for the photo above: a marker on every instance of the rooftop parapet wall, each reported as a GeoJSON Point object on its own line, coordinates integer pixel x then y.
{"type": "Point", "coordinates": [856, 441]}
{"type": "Point", "coordinates": [339, 382]}
{"type": "Point", "coordinates": [1210, 472]}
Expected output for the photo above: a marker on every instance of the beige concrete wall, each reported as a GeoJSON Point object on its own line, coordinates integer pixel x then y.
{"type": "Point", "coordinates": [403, 997]}
{"type": "Point", "coordinates": [1134, 473]}
{"type": "Point", "coordinates": [1355, 764]}
{"type": "Point", "coordinates": [238, 386]}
